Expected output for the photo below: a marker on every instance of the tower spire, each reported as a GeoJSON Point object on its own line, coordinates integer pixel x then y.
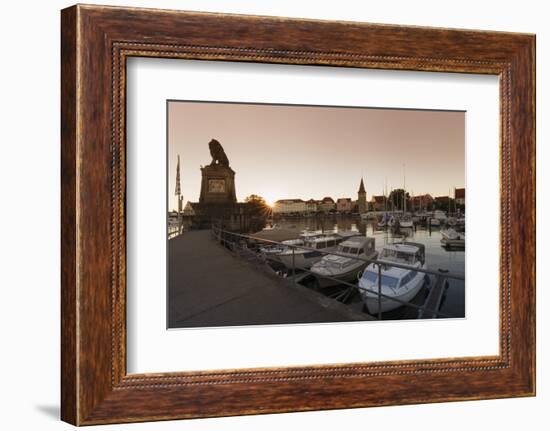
{"type": "Point", "coordinates": [361, 186]}
{"type": "Point", "coordinates": [362, 198]}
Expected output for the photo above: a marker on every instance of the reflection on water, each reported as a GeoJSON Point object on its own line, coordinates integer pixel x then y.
{"type": "Point", "coordinates": [437, 257]}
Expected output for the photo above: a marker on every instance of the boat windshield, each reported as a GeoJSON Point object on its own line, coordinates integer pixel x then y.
{"type": "Point", "coordinates": [386, 279]}
{"type": "Point", "coordinates": [370, 276]}
{"type": "Point", "coordinates": [397, 256]}
{"type": "Point", "coordinates": [349, 250]}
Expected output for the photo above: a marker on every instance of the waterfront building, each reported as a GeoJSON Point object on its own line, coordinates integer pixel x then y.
{"type": "Point", "coordinates": [326, 204]}
{"type": "Point", "coordinates": [421, 202]}
{"type": "Point", "coordinates": [443, 203]}
{"type": "Point", "coordinates": [442, 200]}
{"type": "Point", "coordinates": [311, 206]}
{"type": "Point", "coordinates": [344, 205]}
{"type": "Point", "coordinates": [289, 206]}
{"type": "Point", "coordinates": [362, 199]}
{"type": "Point", "coordinates": [460, 196]}
{"type": "Point", "coordinates": [378, 203]}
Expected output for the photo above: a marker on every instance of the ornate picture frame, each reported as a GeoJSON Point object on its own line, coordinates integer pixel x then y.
{"type": "Point", "coordinates": [96, 41]}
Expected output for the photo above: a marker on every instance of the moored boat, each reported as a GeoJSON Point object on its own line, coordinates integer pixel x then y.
{"type": "Point", "coordinates": [272, 252]}
{"type": "Point", "coordinates": [332, 269]}
{"type": "Point", "coordinates": [383, 222]}
{"type": "Point", "coordinates": [434, 222]}
{"type": "Point", "coordinates": [453, 238]}
{"type": "Point", "coordinates": [406, 221]}
{"type": "Point", "coordinates": [312, 251]}
{"type": "Point", "coordinates": [398, 283]}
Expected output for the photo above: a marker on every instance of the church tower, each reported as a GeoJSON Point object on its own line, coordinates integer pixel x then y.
{"type": "Point", "coordinates": [362, 199]}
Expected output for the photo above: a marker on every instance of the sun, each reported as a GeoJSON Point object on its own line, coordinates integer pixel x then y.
{"type": "Point", "coordinates": [271, 197]}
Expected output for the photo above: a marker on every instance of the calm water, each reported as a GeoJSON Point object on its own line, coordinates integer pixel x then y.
{"type": "Point", "coordinates": [437, 257]}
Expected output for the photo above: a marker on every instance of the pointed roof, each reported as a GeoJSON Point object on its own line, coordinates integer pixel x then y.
{"type": "Point", "coordinates": [361, 187]}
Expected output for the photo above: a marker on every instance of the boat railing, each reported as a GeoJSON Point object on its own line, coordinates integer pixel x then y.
{"type": "Point", "coordinates": [241, 242]}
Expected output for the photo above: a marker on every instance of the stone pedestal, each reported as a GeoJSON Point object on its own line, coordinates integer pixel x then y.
{"type": "Point", "coordinates": [218, 185]}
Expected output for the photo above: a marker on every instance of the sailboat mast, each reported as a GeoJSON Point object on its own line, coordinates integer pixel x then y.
{"type": "Point", "coordinates": [404, 192]}
{"type": "Point", "coordinates": [386, 196]}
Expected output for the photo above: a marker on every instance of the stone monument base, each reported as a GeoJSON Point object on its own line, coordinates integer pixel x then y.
{"type": "Point", "coordinates": [218, 185]}
{"type": "Point", "coordinates": [238, 217]}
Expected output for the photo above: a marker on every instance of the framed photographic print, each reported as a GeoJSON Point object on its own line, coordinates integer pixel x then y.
{"type": "Point", "coordinates": [267, 215]}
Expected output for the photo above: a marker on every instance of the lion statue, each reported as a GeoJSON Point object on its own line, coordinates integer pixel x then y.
{"type": "Point", "coordinates": [218, 154]}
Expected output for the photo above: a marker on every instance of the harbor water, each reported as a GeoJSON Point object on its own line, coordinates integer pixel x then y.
{"type": "Point", "coordinates": [438, 258]}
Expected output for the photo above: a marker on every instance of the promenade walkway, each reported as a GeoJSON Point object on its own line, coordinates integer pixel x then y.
{"type": "Point", "coordinates": [210, 286]}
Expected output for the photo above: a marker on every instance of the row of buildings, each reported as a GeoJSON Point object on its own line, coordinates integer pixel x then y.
{"type": "Point", "coordinates": [325, 205]}
{"type": "Point", "coordinates": [361, 205]}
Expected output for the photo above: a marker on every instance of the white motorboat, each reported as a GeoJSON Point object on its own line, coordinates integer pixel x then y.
{"type": "Point", "coordinates": [406, 221]}
{"type": "Point", "coordinates": [452, 238]}
{"type": "Point", "coordinates": [272, 252]}
{"type": "Point", "coordinates": [440, 215]}
{"type": "Point", "coordinates": [303, 258]}
{"type": "Point", "coordinates": [345, 266]}
{"type": "Point", "coordinates": [434, 222]}
{"type": "Point", "coordinates": [399, 283]}
{"type": "Point", "coordinates": [452, 221]}
{"type": "Point", "coordinates": [450, 233]}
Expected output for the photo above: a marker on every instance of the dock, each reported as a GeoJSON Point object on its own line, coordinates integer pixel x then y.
{"type": "Point", "coordinates": [208, 286]}
{"type": "Point", "coordinates": [276, 234]}
{"type": "Point", "coordinates": [433, 301]}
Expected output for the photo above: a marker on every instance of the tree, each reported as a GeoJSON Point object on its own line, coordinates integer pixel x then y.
{"type": "Point", "coordinates": [255, 200]}
{"type": "Point", "coordinates": [395, 200]}
{"type": "Point", "coordinates": [258, 210]}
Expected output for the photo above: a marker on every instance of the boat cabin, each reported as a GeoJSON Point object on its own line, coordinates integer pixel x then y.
{"type": "Point", "coordinates": [407, 253]}
{"type": "Point", "coordinates": [323, 242]}
{"type": "Point", "coordinates": [357, 246]}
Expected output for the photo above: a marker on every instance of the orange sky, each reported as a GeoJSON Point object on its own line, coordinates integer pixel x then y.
{"type": "Point", "coordinates": [281, 151]}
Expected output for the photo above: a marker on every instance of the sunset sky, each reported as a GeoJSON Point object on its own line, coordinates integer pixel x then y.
{"type": "Point", "coordinates": [305, 152]}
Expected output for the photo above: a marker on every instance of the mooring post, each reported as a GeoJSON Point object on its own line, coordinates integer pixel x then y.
{"type": "Point", "coordinates": [379, 292]}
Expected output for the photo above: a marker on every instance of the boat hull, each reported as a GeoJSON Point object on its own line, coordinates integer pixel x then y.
{"type": "Point", "coordinates": [405, 293]}
{"type": "Point", "coordinates": [348, 276]}
{"type": "Point", "coordinates": [435, 222]}
{"type": "Point", "coordinates": [453, 243]}
{"type": "Point", "coordinates": [301, 260]}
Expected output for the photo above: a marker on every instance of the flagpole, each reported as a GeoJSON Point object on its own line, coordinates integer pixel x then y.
{"type": "Point", "coordinates": [178, 194]}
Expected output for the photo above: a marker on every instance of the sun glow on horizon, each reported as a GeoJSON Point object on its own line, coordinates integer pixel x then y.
{"type": "Point", "coordinates": [271, 197]}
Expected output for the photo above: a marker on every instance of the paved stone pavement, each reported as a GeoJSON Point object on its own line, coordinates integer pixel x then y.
{"type": "Point", "coordinates": [210, 286]}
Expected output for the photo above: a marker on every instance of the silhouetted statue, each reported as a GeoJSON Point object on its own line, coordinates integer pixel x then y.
{"type": "Point", "coordinates": [218, 154]}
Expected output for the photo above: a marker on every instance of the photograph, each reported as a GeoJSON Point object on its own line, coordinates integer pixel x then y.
{"type": "Point", "coordinates": [282, 214]}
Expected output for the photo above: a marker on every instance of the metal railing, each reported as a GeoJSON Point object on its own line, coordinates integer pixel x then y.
{"type": "Point", "coordinates": [174, 230]}
{"type": "Point", "coordinates": [234, 240]}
